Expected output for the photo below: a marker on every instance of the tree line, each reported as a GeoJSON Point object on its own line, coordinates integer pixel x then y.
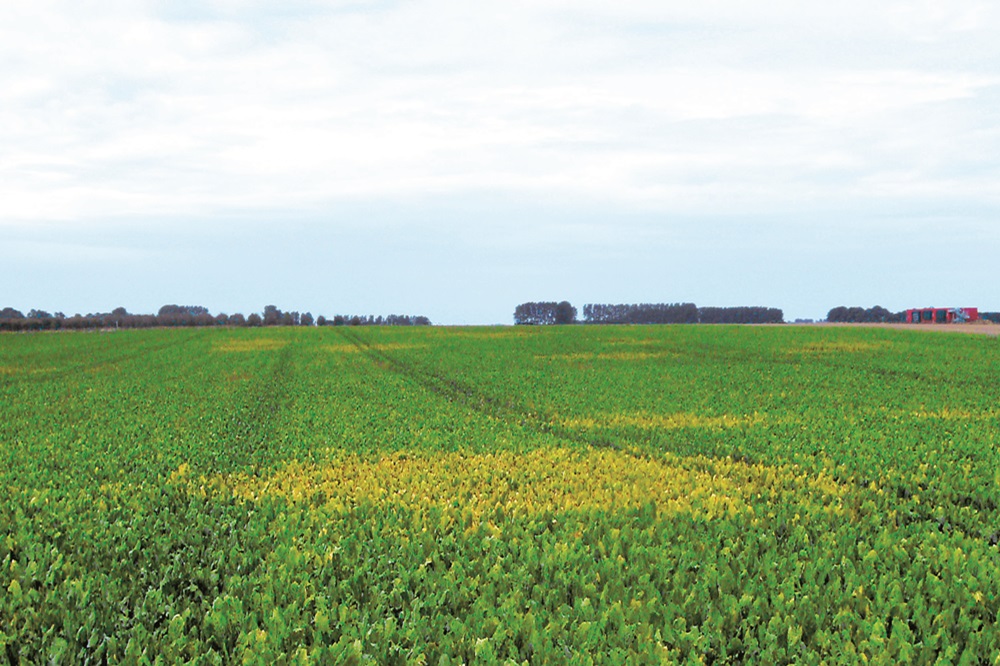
{"type": "Point", "coordinates": [879, 315]}
{"type": "Point", "coordinates": [550, 312]}
{"type": "Point", "coordinates": [858, 315]}
{"type": "Point", "coordinates": [189, 315]}
{"type": "Point", "coordinates": [544, 313]}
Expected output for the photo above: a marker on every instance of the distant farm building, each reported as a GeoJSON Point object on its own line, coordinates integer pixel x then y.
{"type": "Point", "coordinates": [941, 315]}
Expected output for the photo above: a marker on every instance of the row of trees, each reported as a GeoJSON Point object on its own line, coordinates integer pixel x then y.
{"type": "Point", "coordinates": [550, 312]}
{"type": "Point", "coordinates": [641, 313]}
{"type": "Point", "coordinates": [371, 320]}
{"type": "Point", "coordinates": [189, 315]}
{"type": "Point", "coordinates": [873, 315]}
{"type": "Point", "coordinates": [543, 313]}
{"type": "Point", "coordinates": [878, 315]}
{"type": "Point", "coordinates": [741, 315]}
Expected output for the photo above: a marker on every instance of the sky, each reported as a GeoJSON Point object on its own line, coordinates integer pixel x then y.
{"type": "Point", "coordinates": [454, 159]}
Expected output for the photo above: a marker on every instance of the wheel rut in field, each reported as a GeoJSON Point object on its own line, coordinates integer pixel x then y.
{"type": "Point", "coordinates": [474, 399]}
{"type": "Point", "coordinates": [252, 427]}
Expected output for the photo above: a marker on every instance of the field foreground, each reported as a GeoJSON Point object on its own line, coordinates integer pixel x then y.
{"type": "Point", "coordinates": [477, 495]}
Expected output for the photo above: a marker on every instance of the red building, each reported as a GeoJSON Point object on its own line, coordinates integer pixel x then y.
{"type": "Point", "coordinates": [941, 315]}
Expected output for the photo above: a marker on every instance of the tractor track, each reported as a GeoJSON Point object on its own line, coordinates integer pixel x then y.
{"type": "Point", "coordinates": [473, 399]}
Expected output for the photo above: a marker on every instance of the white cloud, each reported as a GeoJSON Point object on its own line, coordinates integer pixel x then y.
{"type": "Point", "coordinates": [159, 109]}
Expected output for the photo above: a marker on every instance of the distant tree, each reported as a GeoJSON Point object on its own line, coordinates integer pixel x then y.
{"type": "Point", "coordinates": [837, 314]}
{"type": "Point", "coordinates": [355, 320]}
{"type": "Point", "coordinates": [254, 319]}
{"type": "Point", "coordinates": [876, 314]}
{"type": "Point", "coordinates": [237, 319]}
{"type": "Point", "coordinates": [565, 313]}
{"type": "Point", "coordinates": [221, 319]}
{"type": "Point", "coordinates": [11, 313]}
{"type": "Point", "coordinates": [120, 317]}
{"type": "Point", "coordinates": [881, 314]}
{"type": "Point", "coordinates": [535, 313]}
{"type": "Point", "coordinates": [272, 315]}
{"type": "Point", "coordinates": [339, 320]}
{"type": "Point", "coordinates": [306, 319]}
{"type": "Point", "coordinates": [192, 310]}
{"type": "Point", "coordinates": [38, 314]}
{"type": "Point", "coordinates": [183, 315]}
{"type": "Point", "coordinates": [320, 320]}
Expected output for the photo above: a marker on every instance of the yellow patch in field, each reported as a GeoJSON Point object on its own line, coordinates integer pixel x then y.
{"type": "Point", "coordinates": [348, 348]}
{"type": "Point", "coordinates": [10, 370]}
{"type": "Point", "coordinates": [610, 356]}
{"type": "Point", "coordinates": [633, 342]}
{"type": "Point", "coordinates": [527, 484]}
{"type": "Point", "coordinates": [661, 421]}
{"type": "Point", "coordinates": [947, 414]}
{"type": "Point", "coordinates": [396, 346]}
{"type": "Point", "coordinates": [255, 345]}
{"type": "Point", "coordinates": [342, 349]}
{"type": "Point", "coordinates": [490, 334]}
{"type": "Point", "coordinates": [839, 346]}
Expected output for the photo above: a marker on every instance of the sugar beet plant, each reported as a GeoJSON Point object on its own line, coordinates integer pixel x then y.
{"type": "Point", "coordinates": [443, 496]}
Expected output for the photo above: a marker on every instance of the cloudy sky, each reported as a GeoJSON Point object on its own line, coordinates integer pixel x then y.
{"type": "Point", "coordinates": [454, 159]}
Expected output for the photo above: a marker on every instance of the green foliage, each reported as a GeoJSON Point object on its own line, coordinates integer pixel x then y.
{"type": "Point", "coordinates": [196, 496]}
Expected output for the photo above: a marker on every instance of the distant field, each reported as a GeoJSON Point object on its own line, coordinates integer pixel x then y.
{"type": "Point", "coordinates": [576, 495]}
{"type": "Point", "coordinates": [981, 327]}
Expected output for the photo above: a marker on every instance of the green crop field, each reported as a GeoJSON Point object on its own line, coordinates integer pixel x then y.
{"type": "Point", "coordinates": [688, 494]}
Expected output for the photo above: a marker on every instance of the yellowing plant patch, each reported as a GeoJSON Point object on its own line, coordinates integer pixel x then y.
{"type": "Point", "coordinates": [948, 414]}
{"type": "Point", "coordinates": [526, 484]}
{"type": "Point", "coordinates": [543, 480]}
{"type": "Point", "coordinates": [342, 348]}
{"type": "Point", "coordinates": [661, 421]}
{"type": "Point", "coordinates": [610, 356]}
{"type": "Point", "coordinates": [246, 346]}
{"type": "Point", "coordinates": [840, 347]}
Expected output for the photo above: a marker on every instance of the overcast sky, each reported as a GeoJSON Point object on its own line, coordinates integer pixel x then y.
{"type": "Point", "coordinates": [454, 159]}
